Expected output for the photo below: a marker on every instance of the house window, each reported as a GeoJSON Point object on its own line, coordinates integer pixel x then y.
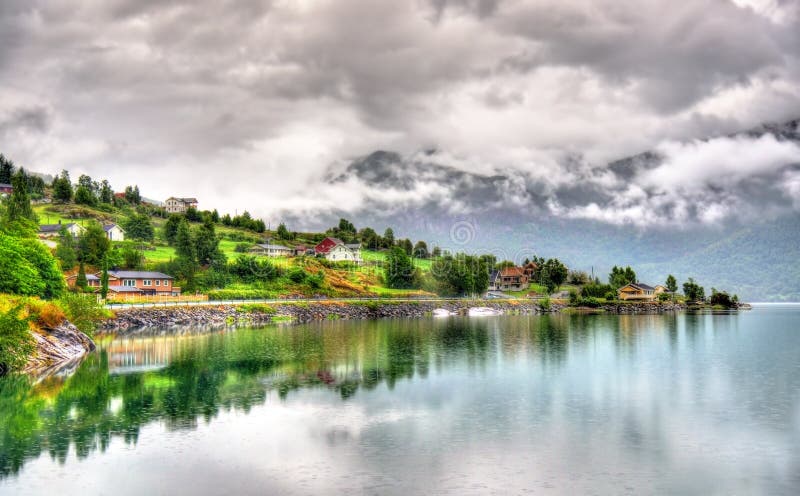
{"type": "Point", "coordinates": [129, 282]}
{"type": "Point", "coordinates": [147, 282]}
{"type": "Point", "coordinates": [158, 282]}
{"type": "Point", "coordinates": [166, 282]}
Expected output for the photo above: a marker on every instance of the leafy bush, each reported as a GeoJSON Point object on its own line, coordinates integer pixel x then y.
{"type": "Point", "coordinates": [28, 268]}
{"type": "Point", "coordinates": [598, 291]}
{"type": "Point", "coordinates": [544, 304]}
{"type": "Point", "coordinates": [241, 294]}
{"type": "Point", "coordinates": [84, 311]}
{"type": "Point", "coordinates": [297, 275]}
{"type": "Point", "coordinates": [256, 308]}
{"type": "Point", "coordinates": [611, 296]}
{"type": "Point", "coordinates": [16, 341]}
{"type": "Point", "coordinates": [664, 297]}
{"type": "Point", "coordinates": [242, 247]}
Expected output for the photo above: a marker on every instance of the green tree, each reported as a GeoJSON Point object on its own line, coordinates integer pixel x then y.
{"type": "Point", "coordinates": [399, 270]}
{"type": "Point", "coordinates": [66, 249]}
{"type": "Point", "coordinates": [186, 255]}
{"type": "Point", "coordinates": [406, 245]}
{"type": "Point", "coordinates": [18, 206]}
{"type": "Point", "coordinates": [693, 291]}
{"type": "Point", "coordinates": [282, 232]}
{"type": "Point", "coordinates": [207, 245]}
{"type": "Point", "coordinates": [388, 238]}
{"type": "Point", "coordinates": [62, 188]}
{"type": "Point", "coordinates": [28, 268]}
{"type": "Point", "coordinates": [139, 227]}
{"type": "Point", "coordinates": [6, 169]}
{"type": "Point", "coordinates": [132, 195]}
{"type": "Point", "coordinates": [671, 284]}
{"type": "Point", "coordinates": [81, 283]}
{"type": "Point", "coordinates": [104, 280]}
{"type": "Point", "coordinates": [460, 274]}
{"type": "Point", "coordinates": [620, 277]}
{"type": "Point", "coordinates": [370, 239]}
{"type": "Point", "coordinates": [93, 244]}
{"type": "Point", "coordinates": [84, 196]}
{"type": "Point", "coordinates": [421, 250]}
{"type": "Point", "coordinates": [171, 228]}
{"type": "Point", "coordinates": [106, 192]}
{"type": "Point", "coordinates": [553, 274]}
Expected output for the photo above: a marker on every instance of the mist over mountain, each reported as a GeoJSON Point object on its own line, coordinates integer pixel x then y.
{"type": "Point", "coordinates": [725, 209]}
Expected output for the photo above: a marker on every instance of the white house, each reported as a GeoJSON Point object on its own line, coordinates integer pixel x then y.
{"type": "Point", "coordinates": [271, 250]}
{"type": "Point", "coordinates": [175, 205]}
{"type": "Point", "coordinates": [53, 230]}
{"type": "Point", "coordinates": [114, 232]}
{"type": "Point", "coordinates": [336, 250]}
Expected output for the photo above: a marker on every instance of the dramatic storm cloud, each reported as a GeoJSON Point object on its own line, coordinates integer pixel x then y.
{"type": "Point", "coordinates": [266, 105]}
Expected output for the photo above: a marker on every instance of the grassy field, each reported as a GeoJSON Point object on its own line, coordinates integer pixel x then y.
{"type": "Point", "coordinates": [380, 256]}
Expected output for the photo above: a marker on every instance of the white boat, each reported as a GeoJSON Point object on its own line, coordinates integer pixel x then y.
{"type": "Point", "coordinates": [482, 312]}
{"type": "Point", "coordinates": [441, 312]}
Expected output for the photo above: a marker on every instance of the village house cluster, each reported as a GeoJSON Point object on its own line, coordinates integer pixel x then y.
{"type": "Point", "coordinates": [332, 249]}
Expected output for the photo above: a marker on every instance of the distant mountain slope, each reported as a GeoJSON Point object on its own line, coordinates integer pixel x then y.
{"type": "Point", "coordinates": [756, 255]}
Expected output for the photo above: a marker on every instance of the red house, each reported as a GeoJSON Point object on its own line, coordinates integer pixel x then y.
{"type": "Point", "coordinates": [326, 244]}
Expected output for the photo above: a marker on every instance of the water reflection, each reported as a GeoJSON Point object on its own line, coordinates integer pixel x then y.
{"type": "Point", "coordinates": [576, 396]}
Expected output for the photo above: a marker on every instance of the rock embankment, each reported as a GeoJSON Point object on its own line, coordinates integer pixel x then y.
{"type": "Point", "coordinates": [142, 319]}
{"type": "Point", "coordinates": [58, 349]}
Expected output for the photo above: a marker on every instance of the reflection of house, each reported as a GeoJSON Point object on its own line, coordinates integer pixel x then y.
{"type": "Point", "coordinates": [639, 291]}
{"type": "Point", "coordinates": [509, 279]}
{"type": "Point", "coordinates": [53, 230]}
{"type": "Point", "coordinates": [175, 205]}
{"type": "Point", "coordinates": [114, 232]}
{"type": "Point", "coordinates": [336, 250]}
{"type": "Point", "coordinates": [271, 250]}
{"type": "Point", "coordinates": [141, 282]}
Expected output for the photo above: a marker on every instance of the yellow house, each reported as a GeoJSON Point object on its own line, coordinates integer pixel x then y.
{"type": "Point", "coordinates": [640, 291]}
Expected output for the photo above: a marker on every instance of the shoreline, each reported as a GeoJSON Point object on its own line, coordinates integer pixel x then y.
{"type": "Point", "coordinates": [132, 320]}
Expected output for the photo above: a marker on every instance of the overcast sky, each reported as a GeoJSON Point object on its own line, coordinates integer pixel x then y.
{"type": "Point", "coordinates": [251, 104]}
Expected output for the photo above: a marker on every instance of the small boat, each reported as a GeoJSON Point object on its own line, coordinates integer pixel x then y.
{"type": "Point", "coordinates": [441, 312]}
{"type": "Point", "coordinates": [482, 312]}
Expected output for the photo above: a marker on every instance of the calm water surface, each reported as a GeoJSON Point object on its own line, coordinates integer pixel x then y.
{"type": "Point", "coordinates": [686, 404]}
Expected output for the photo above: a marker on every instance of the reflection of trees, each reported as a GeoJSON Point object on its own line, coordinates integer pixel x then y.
{"type": "Point", "coordinates": [217, 372]}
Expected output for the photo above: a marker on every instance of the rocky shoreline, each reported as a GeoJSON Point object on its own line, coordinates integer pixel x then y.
{"type": "Point", "coordinates": [58, 350]}
{"type": "Point", "coordinates": [134, 320]}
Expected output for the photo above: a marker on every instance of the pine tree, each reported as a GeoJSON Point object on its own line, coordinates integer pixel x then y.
{"type": "Point", "coordinates": [62, 187]}
{"type": "Point", "coordinates": [6, 170]}
{"type": "Point", "coordinates": [106, 192]}
{"type": "Point", "coordinates": [81, 282]}
{"type": "Point", "coordinates": [66, 249]}
{"type": "Point", "coordinates": [104, 280]}
{"type": "Point", "coordinates": [19, 205]}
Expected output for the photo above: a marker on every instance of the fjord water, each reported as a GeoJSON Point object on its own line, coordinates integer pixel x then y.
{"type": "Point", "coordinates": [563, 404]}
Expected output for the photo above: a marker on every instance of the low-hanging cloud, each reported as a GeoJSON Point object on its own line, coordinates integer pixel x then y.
{"type": "Point", "coordinates": [251, 104]}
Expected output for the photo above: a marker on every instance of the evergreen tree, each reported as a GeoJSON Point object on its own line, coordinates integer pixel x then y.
{"type": "Point", "coordinates": [19, 205]}
{"type": "Point", "coordinates": [186, 251]}
{"type": "Point", "coordinates": [171, 228]}
{"type": "Point", "coordinates": [93, 244]}
{"type": "Point", "coordinates": [207, 245]}
{"type": "Point", "coordinates": [104, 281]}
{"type": "Point", "coordinates": [421, 250]}
{"type": "Point", "coordinates": [388, 238]}
{"type": "Point", "coordinates": [215, 216]}
{"type": "Point", "coordinates": [106, 192]}
{"type": "Point", "coordinates": [671, 283]}
{"type": "Point", "coordinates": [399, 269]}
{"type": "Point", "coordinates": [6, 169]}
{"type": "Point", "coordinates": [132, 195]}
{"type": "Point", "coordinates": [81, 283]}
{"type": "Point", "coordinates": [139, 227]}
{"type": "Point", "coordinates": [84, 196]}
{"type": "Point", "coordinates": [62, 187]}
{"type": "Point", "coordinates": [620, 277]}
{"type": "Point", "coordinates": [282, 232]}
{"type": "Point", "coordinates": [66, 249]}
{"type": "Point", "coordinates": [369, 238]}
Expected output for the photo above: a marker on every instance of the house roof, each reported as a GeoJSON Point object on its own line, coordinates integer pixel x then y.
{"type": "Point", "coordinates": [512, 272]}
{"type": "Point", "coordinates": [268, 246]}
{"type": "Point", "coordinates": [109, 227]}
{"type": "Point", "coordinates": [89, 277]}
{"type": "Point", "coordinates": [50, 228]}
{"type": "Point", "coordinates": [138, 274]}
{"type": "Point", "coordinates": [326, 244]}
{"type": "Point", "coordinates": [124, 289]}
{"type": "Point", "coordinates": [639, 285]}
{"type": "Point", "coordinates": [354, 246]}
{"type": "Point", "coordinates": [4, 185]}
{"type": "Point", "coordinates": [493, 275]}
